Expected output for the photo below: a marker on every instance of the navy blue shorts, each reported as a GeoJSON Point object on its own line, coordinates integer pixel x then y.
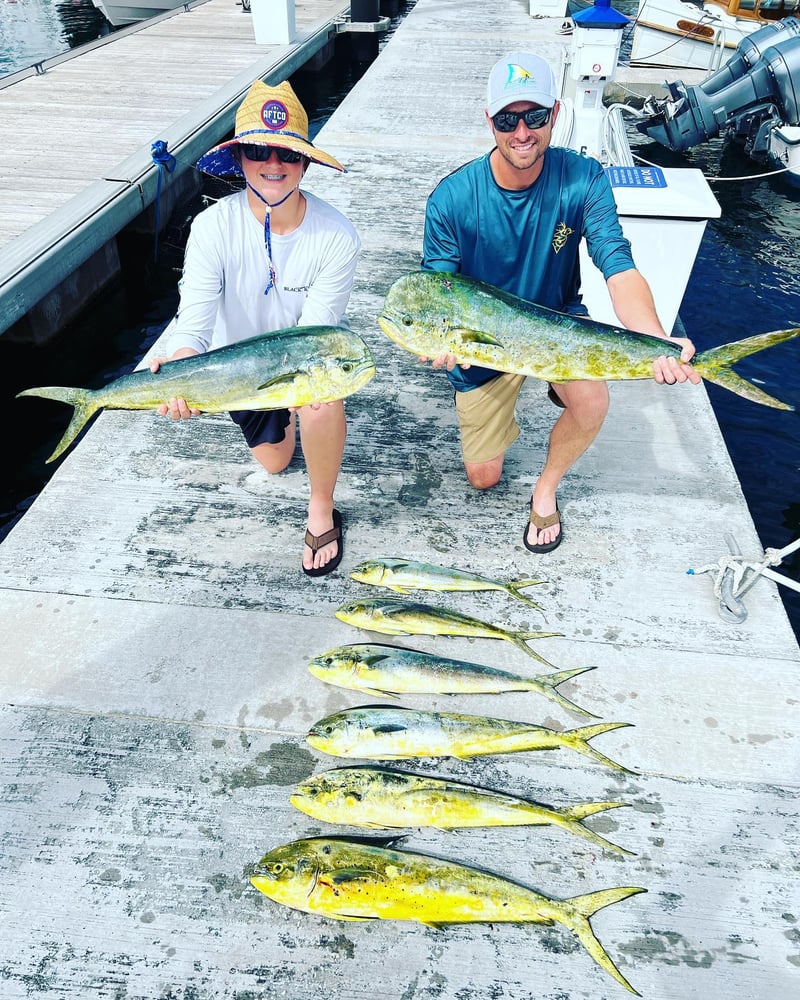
{"type": "Point", "coordinates": [262, 426]}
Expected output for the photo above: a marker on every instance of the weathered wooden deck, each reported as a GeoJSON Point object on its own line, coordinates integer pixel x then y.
{"type": "Point", "coordinates": [86, 126]}
{"type": "Point", "coordinates": [156, 629]}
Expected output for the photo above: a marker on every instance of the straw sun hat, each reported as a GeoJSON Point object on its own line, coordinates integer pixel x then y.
{"type": "Point", "coordinates": [268, 116]}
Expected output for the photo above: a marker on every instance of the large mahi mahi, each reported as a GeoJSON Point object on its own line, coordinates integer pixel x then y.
{"type": "Point", "coordinates": [273, 371]}
{"type": "Point", "coordinates": [431, 313]}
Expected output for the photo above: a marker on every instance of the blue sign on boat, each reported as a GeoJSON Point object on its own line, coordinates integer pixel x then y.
{"type": "Point", "coordinates": [639, 177]}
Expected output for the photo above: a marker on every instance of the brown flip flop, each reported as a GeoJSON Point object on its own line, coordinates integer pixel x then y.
{"type": "Point", "coordinates": [540, 522]}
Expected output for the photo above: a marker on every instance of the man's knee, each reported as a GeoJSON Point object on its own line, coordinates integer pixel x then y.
{"type": "Point", "coordinates": [587, 403]}
{"type": "Point", "coordinates": [484, 475]}
{"type": "Point", "coordinates": [275, 457]}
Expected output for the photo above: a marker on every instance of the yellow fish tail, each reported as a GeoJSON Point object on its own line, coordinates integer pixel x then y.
{"type": "Point", "coordinates": [578, 739]}
{"type": "Point", "coordinates": [520, 640]}
{"type": "Point", "coordinates": [577, 911]}
{"type": "Point", "coordinates": [547, 686]}
{"type": "Point", "coordinates": [571, 819]}
{"type": "Point", "coordinates": [516, 586]}
{"type": "Point", "coordinates": [716, 365]}
{"type": "Point", "coordinates": [83, 402]}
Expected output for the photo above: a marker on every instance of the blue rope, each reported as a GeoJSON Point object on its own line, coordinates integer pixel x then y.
{"type": "Point", "coordinates": [158, 151]}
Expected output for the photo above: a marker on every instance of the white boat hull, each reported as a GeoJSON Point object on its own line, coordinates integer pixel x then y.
{"type": "Point", "coordinates": [686, 36]}
{"type": "Point", "coordinates": [120, 14]}
{"type": "Point", "coordinates": [784, 151]}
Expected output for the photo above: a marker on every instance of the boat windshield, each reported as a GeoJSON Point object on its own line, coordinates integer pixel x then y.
{"type": "Point", "coordinates": [762, 10]}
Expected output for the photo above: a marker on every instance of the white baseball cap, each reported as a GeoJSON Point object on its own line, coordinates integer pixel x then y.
{"type": "Point", "coordinates": [520, 76]}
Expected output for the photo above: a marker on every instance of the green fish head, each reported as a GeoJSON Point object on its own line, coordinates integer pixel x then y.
{"type": "Point", "coordinates": [352, 613]}
{"type": "Point", "coordinates": [336, 376]}
{"type": "Point", "coordinates": [340, 663]}
{"type": "Point", "coordinates": [330, 734]}
{"type": "Point", "coordinates": [372, 571]}
{"type": "Point", "coordinates": [287, 874]}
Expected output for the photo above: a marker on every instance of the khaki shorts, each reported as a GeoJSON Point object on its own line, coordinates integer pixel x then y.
{"type": "Point", "coordinates": [486, 418]}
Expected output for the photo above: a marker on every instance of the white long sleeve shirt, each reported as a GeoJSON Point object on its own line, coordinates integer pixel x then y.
{"type": "Point", "coordinates": [226, 270]}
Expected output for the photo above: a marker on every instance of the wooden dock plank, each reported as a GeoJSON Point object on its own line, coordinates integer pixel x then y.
{"type": "Point", "coordinates": [156, 632]}
{"type": "Point", "coordinates": [107, 103]}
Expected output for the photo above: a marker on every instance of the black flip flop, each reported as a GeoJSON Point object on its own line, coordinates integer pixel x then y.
{"type": "Point", "coordinates": [540, 522]}
{"type": "Point", "coordinates": [316, 542]}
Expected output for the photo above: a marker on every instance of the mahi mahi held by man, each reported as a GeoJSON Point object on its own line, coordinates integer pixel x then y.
{"type": "Point", "coordinates": [273, 371]}
{"type": "Point", "coordinates": [380, 732]}
{"type": "Point", "coordinates": [369, 879]}
{"type": "Point", "coordinates": [380, 670]}
{"type": "Point", "coordinates": [372, 797]}
{"type": "Point", "coordinates": [431, 313]}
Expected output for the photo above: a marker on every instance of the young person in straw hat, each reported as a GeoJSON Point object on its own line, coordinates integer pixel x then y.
{"type": "Point", "coordinates": [266, 258]}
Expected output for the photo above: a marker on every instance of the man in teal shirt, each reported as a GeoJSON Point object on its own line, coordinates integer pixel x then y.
{"type": "Point", "coordinates": [514, 218]}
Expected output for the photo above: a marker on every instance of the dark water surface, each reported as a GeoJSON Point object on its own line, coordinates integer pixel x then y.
{"type": "Point", "coordinates": [33, 30]}
{"type": "Point", "coordinates": [746, 280]}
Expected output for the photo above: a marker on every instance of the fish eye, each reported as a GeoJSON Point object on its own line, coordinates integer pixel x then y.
{"type": "Point", "coordinates": [407, 321]}
{"type": "Point", "coordinates": [278, 867]}
{"type": "Point", "coordinates": [347, 366]}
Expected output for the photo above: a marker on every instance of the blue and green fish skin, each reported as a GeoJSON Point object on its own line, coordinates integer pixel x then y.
{"type": "Point", "coordinates": [431, 313]}
{"type": "Point", "coordinates": [380, 732]}
{"type": "Point", "coordinates": [381, 670]}
{"type": "Point", "coordinates": [353, 880]}
{"type": "Point", "coordinates": [392, 617]}
{"type": "Point", "coordinates": [285, 368]}
{"type": "Point", "coordinates": [376, 797]}
{"type": "Point", "coordinates": [404, 575]}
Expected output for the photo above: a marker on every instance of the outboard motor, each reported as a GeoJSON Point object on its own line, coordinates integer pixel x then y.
{"type": "Point", "coordinates": [757, 88]}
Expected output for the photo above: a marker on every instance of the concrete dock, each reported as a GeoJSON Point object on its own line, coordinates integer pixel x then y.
{"type": "Point", "coordinates": [156, 630]}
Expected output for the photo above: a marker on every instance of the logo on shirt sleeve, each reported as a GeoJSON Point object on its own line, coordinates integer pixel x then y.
{"type": "Point", "coordinates": [560, 236]}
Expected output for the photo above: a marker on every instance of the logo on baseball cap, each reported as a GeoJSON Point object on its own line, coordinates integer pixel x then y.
{"type": "Point", "coordinates": [520, 76]}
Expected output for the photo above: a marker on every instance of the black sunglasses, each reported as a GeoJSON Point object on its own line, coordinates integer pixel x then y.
{"type": "Point", "coordinates": [507, 121]}
{"type": "Point", "coordinates": [262, 153]}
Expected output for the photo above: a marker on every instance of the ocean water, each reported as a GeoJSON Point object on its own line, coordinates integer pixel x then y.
{"type": "Point", "coordinates": [33, 30]}
{"type": "Point", "coordinates": [746, 280]}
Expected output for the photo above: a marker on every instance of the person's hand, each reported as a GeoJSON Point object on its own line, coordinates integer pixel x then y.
{"type": "Point", "coordinates": [175, 408]}
{"type": "Point", "coordinates": [670, 369]}
{"type": "Point", "coordinates": [448, 361]}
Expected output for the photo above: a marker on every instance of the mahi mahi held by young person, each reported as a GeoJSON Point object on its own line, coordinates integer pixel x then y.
{"type": "Point", "coordinates": [403, 575]}
{"type": "Point", "coordinates": [380, 732]}
{"type": "Point", "coordinates": [352, 879]}
{"type": "Point", "coordinates": [286, 368]}
{"type": "Point", "coordinates": [408, 618]}
{"type": "Point", "coordinates": [382, 670]}
{"type": "Point", "coordinates": [431, 313]}
{"type": "Point", "coordinates": [375, 797]}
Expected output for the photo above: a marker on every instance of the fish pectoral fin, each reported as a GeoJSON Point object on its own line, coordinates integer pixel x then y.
{"type": "Point", "coordinates": [279, 380]}
{"type": "Point", "coordinates": [377, 693]}
{"type": "Point", "coordinates": [374, 658]}
{"type": "Point", "coordinates": [389, 727]}
{"type": "Point", "coordinates": [343, 875]}
{"type": "Point", "coordinates": [477, 337]}
{"type": "Point", "coordinates": [398, 589]}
